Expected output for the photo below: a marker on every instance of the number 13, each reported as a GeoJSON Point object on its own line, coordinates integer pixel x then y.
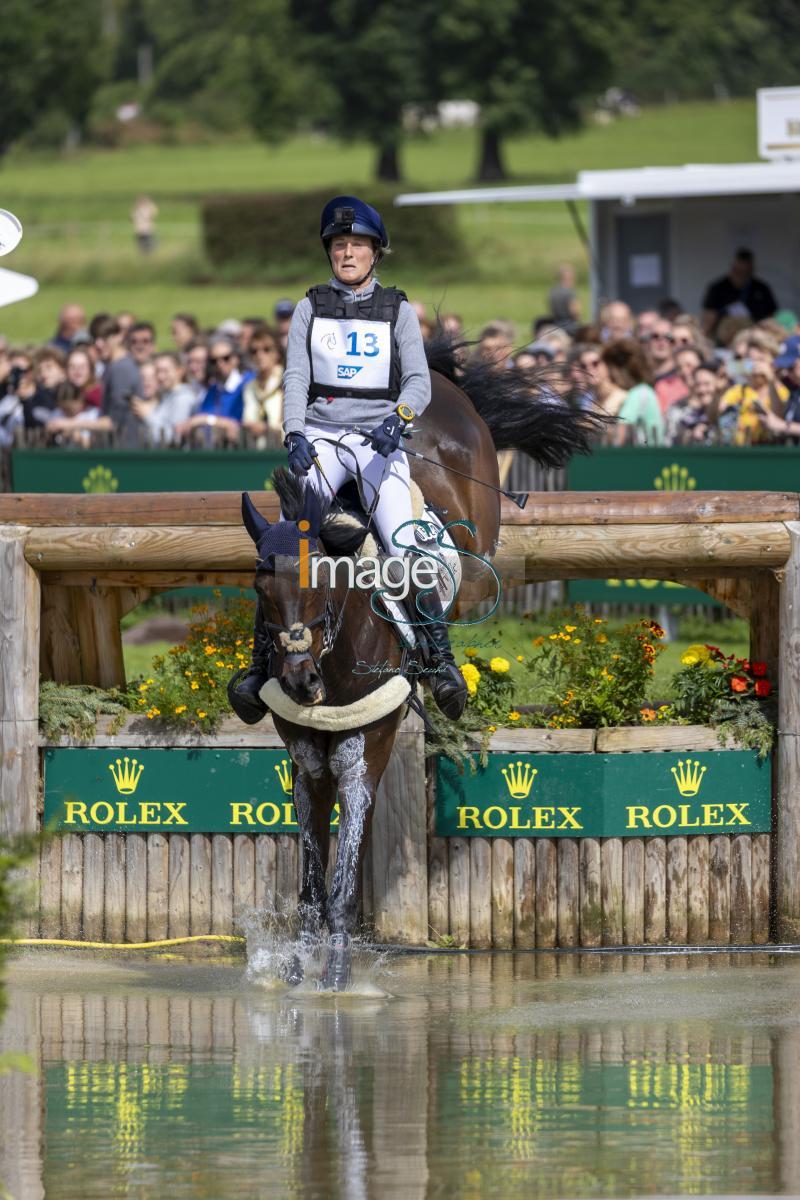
{"type": "Point", "coordinates": [372, 350]}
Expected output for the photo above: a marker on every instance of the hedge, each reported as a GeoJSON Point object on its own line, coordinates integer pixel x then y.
{"type": "Point", "coordinates": [275, 235]}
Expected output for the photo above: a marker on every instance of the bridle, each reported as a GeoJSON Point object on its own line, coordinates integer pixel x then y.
{"type": "Point", "coordinates": [296, 639]}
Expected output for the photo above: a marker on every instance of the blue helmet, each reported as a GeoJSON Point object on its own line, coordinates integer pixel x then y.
{"type": "Point", "coordinates": [348, 214]}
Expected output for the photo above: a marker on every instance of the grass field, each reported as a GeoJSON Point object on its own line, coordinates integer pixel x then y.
{"type": "Point", "coordinates": [78, 239]}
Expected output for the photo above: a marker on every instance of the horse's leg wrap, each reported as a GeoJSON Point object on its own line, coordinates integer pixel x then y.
{"type": "Point", "coordinates": [338, 964]}
{"type": "Point", "coordinates": [244, 686]}
{"type": "Point", "coordinates": [313, 793]}
{"type": "Point", "coordinates": [348, 766]}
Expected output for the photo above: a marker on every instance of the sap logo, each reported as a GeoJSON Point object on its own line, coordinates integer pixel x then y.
{"type": "Point", "coordinates": [347, 372]}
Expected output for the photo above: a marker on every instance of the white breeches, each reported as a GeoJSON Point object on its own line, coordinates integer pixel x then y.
{"type": "Point", "coordinates": [394, 503]}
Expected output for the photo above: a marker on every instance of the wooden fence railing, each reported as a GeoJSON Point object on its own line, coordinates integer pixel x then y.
{"type": "Point", "coordinates": [71, 565]}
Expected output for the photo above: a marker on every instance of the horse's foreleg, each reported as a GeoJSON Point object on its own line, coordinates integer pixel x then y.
{"type": "Point", "coordinates": [314, 796]}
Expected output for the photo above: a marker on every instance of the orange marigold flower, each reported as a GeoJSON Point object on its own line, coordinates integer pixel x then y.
{"type": "Point", "coordinates": [648, 714]}
{"type": "Point", "coordinates": [738, 684]}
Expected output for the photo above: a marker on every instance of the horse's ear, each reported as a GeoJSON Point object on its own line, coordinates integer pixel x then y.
{"type": "Point", "coordinates": [311, 510]}
{"type": "Point", "coordinates": [254, 523]}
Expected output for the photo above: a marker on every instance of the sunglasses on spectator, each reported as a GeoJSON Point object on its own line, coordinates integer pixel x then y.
{"type": "Point", "coordinates": [221, 358]}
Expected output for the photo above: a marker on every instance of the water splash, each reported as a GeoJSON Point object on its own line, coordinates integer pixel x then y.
{"type": "Point", "coordinates": [276, 940]}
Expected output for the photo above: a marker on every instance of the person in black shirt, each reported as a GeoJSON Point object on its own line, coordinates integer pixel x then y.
{"type": "Point", "coordinates": [737, 294]}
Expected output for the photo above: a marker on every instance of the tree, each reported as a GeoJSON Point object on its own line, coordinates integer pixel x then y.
{"type": "Point", "coordinates": [48, 60]}
{"type": "Point", "coordinates": [527, 65]}
{"type": "Point", "coordinates": [371, 60]}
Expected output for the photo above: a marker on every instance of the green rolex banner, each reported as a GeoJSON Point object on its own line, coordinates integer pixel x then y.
{"type": "Point", "coordinates": [605, 795]}
{"type": "Point", "coordinates": [176, 790]}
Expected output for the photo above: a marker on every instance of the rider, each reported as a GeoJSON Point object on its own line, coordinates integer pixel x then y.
{"type": "Point", "coordinates": [355, 356]}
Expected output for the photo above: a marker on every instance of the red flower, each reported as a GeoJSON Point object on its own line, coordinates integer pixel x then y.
{"type": "Point", "coordinates": [763, 687]}
{"type": "Point", "coordinates": [738, 684]}
{"type": "Point", "coordinates": [758, 668]}
{"type": "Point", "coordinates": [715, 650]}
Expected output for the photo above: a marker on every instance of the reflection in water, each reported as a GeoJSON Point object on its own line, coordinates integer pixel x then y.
{"type": "Point", "coordinates": [509, 1075]}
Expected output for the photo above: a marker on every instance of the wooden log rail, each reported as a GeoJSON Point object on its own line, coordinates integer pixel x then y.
{"type": "Point", "coordinates": [71, 566]}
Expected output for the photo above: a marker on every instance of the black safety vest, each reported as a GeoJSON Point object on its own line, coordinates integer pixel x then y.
{"type": "Point", "coordinates": [380, 309]}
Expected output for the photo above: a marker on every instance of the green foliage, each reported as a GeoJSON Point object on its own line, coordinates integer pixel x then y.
{"type": "Point", "coordinates": [277, 235]}
{"type": "Point", "coordinates": [733, 694]}
{"type": "Point", "coordinates": [595, 675]}
{"type": "Point", "coordinates": [186, 687]}
{"type": "Point", "coordinates": [457, 740]}
{"type": "Point", "coordinates": [50, 62]}
{"type": "Point", "coordinates": [73, 709]}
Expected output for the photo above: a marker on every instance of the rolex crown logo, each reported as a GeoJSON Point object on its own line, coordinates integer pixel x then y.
{"type": "Point", "coordinates": [127, 772]}
{"type": "Point", "coordinates": [284, 770]}
{"type": "Point", "coordinates": [674, 478]}
{"type": "Point", "coordinates": [519, 779]}
{"type": "Point", "coordinates": [688, 776]}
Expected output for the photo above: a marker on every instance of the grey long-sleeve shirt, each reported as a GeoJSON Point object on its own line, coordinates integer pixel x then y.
{"type": "Point", "coordinates": [415, 380]}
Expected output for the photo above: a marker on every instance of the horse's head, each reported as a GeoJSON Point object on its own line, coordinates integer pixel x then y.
{"type": "Point", "coordinates": [294, 612]}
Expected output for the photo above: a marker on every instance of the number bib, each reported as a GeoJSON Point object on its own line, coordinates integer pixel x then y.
{"type": "Point", "coordinates": [351, 355]}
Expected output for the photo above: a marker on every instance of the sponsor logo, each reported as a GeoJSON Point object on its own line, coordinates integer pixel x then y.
{"type": "Point", "coordinates": [688, 777]}
{"type": "Point", "coordinates": [347, 372]}
{"type": "Point", "coordinates": [126, 774]}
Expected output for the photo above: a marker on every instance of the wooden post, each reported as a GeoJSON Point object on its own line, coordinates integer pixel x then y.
{"type": "Point", "coordinates": [458, 884]}
{"type": "Point", "coordinates": [787, 809]}
{"type": "Point", "coordinates": [502, 893]}
{"type": "Point", "coordinates": [20, 600]}
{"type": "Point", "coordinates": [400, 842]}
{"type": "Point", "coordinates": [611, 890]}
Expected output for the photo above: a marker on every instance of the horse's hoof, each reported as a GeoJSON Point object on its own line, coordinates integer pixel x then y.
{"type": "Point", "coordinates": [293, 972]}
{"type": "Point", "coordinates": [336, 975]}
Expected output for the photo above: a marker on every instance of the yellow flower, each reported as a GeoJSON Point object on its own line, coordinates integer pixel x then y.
{"type": "Point", "coordinates": [553, 637]}
{"type": "Point", "coordinates": [188, 674]}
{"type": "Point", "coordinates": [539, 641]}
{"type": "Point", "coordinates": [499, 665]}
{"type": "Point", "coordinates": [471, 676]}
{"type": "Point", "coordinates": [201, 713]}
{"type": "Point", "coordinates": [195, 685]}
{"type": "Point", "coordinates": [491, 729]}
{"type": "Point", "coordinates": [601, 639]}
{"type": "Point", "coordinates": [153, 712]}
{"type": "Point", "coordinates": [520, 658]}
{"type": "Point", "coordinates": [576, 641]}
{"type": "Point", "coordinates": [209, 650]}
{"type": "Point", "coordinates": [695, 654]}
{"type": "Point", "coordinates": [470, 652]}
{"type": "Point", "coordinates": [219, 663]}
{"type": "Point", "coordinates": [570, 628]}
{"type": "Point", "coordinates": [142, 687]}
{"type": "Point", "coordinates": [180, 708]}
{"type": "Point", "coordinates": [565, 637]}
{"type": "Point", "coordinates": [513, 716]}
{"type": "Point", "coordinates": [149, 680]}
{"type": "Point", "coordinates": [142, 700]}
{"type": "Point", "coordinates": [598, 620]}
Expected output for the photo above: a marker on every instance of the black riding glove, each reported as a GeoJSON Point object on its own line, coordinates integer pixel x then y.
{"type": "Point", "coordinates": [301, 456]}
{"type": "Point", "coordinates": [385, 437]}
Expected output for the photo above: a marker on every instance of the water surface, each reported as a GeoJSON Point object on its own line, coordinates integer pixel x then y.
{"type": "Point", "coordinates": [480, 1076]}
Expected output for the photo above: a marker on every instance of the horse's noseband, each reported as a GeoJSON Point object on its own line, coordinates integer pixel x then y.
{"type": "Point", "coordinates": [297, 639]}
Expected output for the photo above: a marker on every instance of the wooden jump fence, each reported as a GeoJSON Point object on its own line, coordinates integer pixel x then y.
{"type": "Point", "coordinates": [71, 566]}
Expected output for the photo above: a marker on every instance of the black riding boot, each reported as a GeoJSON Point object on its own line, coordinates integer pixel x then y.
{"type": "Point", "coordinates": [447, 684]}
{"type": "Point", "coordinates": [245, 685]}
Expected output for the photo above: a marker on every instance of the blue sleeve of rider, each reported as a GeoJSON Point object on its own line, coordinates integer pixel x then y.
{"type": "Point", "coordinates": [297, 376]}
{"type": "Point", "coordinates": [415, 379]}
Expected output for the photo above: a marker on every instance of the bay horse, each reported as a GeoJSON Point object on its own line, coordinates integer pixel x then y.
{"type": "Point", "coordinates": [320, 634]}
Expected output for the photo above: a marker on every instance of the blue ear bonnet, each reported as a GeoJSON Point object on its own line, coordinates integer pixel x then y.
{"type": "Point", "coordinates": [282, 538]}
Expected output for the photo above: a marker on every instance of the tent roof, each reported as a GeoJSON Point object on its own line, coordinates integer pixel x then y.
{"type": "Point", "coordinates": [723, 179]}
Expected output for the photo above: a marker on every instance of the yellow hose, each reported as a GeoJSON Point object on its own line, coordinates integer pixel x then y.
{"type": "Point", "coordinates": [180, 941]}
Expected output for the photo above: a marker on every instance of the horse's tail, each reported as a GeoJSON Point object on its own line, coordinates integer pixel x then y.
{"type": "Point", "coordinates": [522, 409]}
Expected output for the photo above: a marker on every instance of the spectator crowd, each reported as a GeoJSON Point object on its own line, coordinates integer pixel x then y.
{"type": "Point", "coordinates": [729, 376]}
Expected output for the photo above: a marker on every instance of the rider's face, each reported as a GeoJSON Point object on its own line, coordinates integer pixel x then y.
{"type": "Point", "coordinates": [351, 257]}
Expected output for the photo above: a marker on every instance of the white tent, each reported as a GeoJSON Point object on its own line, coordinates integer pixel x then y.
{"type": "Point", "coordinates": [668, 231]}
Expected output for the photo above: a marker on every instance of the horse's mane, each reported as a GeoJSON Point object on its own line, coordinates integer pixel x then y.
{"type": "Point", "coordinates": [522, 408]}
{"type": "Point", "coordinates": [340, 531]}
